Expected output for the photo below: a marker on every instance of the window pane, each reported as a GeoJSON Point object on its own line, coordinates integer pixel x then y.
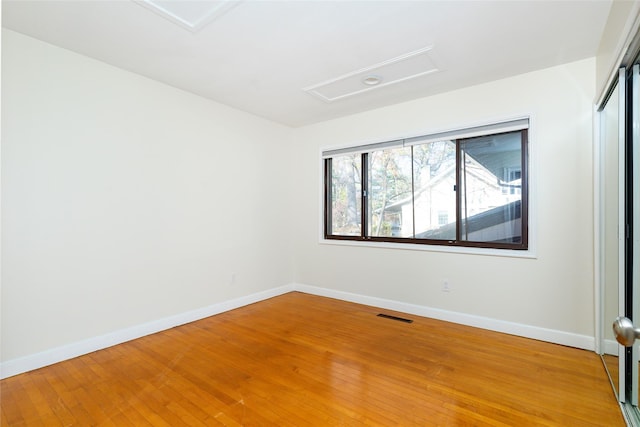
{"type": "Point", "coordinates": [346, 196]}
{"type": "Point", "coordinates": [390, 210]}
{"type": "Point", "coordinates": [491, 185]}
{"type": "Point", "coordinates": [434, 171]}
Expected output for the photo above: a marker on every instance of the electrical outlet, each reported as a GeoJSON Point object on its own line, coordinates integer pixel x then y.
{"type": "Point", "coordinates": [232, 279]}
{"type": "Point", "coordinates": [446, 286]}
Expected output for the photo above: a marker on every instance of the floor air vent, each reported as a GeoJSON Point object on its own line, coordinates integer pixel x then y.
{"type": "Point", "coordinates": [399, 319]}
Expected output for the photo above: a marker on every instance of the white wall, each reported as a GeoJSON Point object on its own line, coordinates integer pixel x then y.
{"type": "Point", "coordinates": [555, 290]}
{"type": "Point", "coordinates": [126, 201]}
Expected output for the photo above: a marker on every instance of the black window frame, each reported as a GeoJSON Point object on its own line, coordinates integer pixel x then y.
{"type": "Point", "coordinates": [523, 245]}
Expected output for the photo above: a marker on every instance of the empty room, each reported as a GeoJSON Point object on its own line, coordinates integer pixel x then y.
{"type": "Point", "coordinates": [318, 213]}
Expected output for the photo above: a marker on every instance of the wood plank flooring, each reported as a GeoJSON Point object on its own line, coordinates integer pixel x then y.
{"type": "Point", "coordinates": [303, 360]}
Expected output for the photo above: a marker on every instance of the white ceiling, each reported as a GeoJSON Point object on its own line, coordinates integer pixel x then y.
{"type": "Point", "coordinates": [260, 56]}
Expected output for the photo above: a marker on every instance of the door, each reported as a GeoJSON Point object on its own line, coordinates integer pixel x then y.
{"type": "Point", "coordinates": [631, 297]}
{"type": "Point", "coordinates": [612, 219]}
{"type": "Point", "coordinates": [620, 222]}
{"type": "Point", "coordinates": [632, 289]}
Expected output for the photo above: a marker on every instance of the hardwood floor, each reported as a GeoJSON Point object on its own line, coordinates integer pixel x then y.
{"type": "Point", "coordinates": [303, 360]}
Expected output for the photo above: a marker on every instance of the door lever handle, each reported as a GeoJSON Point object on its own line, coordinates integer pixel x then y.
{"type": "Point", "coordinates": [624, 331]}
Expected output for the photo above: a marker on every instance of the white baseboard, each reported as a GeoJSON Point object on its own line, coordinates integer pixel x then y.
{"type": "Point", "coordinates": [584, 342]}
{"type": "Point", "coordinates": [69, 351]}
{"type": "Point", "coordinates": [58, 354]}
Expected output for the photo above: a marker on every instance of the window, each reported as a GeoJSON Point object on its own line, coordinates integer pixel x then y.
{"type": "Point", "coordinates": [346, 196]}
{"type": "Point", "coordinates": [462, 188]}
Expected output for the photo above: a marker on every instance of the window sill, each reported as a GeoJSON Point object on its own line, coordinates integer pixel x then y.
{"type": "Point", "coordinates": [528, 254]}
